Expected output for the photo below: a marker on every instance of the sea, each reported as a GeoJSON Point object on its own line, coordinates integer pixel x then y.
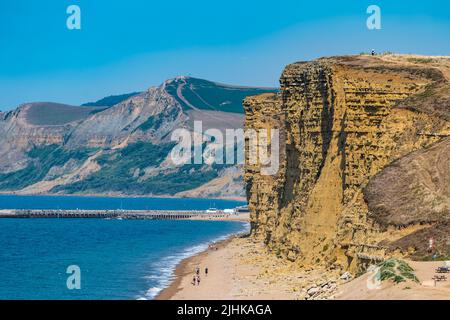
{"type": "Point", "coordinates": [105, 259]}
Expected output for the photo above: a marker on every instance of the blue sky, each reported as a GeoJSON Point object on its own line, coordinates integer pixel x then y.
{"type": "Point", "coordinates": [125, 46]}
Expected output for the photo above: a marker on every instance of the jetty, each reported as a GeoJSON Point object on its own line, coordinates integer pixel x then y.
{"type": "Point", "coordinates": [125, 214]}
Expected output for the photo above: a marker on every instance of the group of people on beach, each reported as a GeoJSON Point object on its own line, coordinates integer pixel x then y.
{"type": "Point", "coordinates": [196, 278]}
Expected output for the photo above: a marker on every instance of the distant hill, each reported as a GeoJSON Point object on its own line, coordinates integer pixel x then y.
{"type": "Point", "coordinates": [109, 101]}
{"type": "Point", "coordinates": [120, 144]}
{"type": "Point", "coordinates": [194, 94]}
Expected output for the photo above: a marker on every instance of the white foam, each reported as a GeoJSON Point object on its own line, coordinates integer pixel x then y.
{"type": "Point", "coordinates": [152, 292]}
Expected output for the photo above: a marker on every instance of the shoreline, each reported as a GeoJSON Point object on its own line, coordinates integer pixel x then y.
{"type": "Point", "coordinates": [241, 268]}
{"type": "Point", "coordinates": [182, 269]}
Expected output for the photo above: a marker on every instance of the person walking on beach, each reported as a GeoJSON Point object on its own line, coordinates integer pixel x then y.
{"type": "Point", "coordinates": [197, 271]}
{"type": "Point", "coordinates": [206, 271]}
{"type": "Point", "coordinates": [198, 280]}
{"type": "Point", "coordinates": [194, 280]}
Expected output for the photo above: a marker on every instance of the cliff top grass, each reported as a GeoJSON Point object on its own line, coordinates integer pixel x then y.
{"type": "Point", "coordinates": [405, 62]}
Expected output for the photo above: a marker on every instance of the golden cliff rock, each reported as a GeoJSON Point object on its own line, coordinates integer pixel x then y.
{"type": "Point", "coordinates": [364, 160]}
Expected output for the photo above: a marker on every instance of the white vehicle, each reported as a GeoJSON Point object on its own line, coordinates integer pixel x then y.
{"type": "Point", "coordinates": [212, 210]}
{"type": "Point", "coordinates": [229, 211]}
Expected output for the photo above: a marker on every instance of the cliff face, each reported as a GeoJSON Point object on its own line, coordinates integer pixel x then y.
{"type": "Point", "coordinates": [344, 120]}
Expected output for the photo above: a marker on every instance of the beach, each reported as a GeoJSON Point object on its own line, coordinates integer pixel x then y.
{"type": "Point", "coordinates": [426, 289]}
{"type": "Point", "coordinates": [241, 268]}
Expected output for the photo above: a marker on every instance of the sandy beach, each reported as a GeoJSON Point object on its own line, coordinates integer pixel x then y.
{"type": "Point", "coordinates": [241, 268]}
{"type": "Point", "coordinates": [427, 289]}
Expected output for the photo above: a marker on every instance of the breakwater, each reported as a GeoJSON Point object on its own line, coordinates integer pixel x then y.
{"type": "Point", "coordinates": [116, 214]}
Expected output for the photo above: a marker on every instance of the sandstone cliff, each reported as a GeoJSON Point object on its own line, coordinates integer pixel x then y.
{"type": "Point", "coordinates": [364, 160]}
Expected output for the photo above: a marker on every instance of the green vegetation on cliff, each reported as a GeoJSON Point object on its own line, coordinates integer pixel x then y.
{"type": "Point", "coordinates": [42, 160]}
{"type": "Point", "coordinates": [124, 171]}
{"type": "Point", "coordinates": [210, 95]}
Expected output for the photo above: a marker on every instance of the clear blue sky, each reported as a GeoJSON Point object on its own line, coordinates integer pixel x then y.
{"type": "Point", "coordinates": [126, 46]}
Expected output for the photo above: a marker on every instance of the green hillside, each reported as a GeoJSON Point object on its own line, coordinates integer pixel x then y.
{"type": "Point", "coordinates": [43, 159]}
{"type": "Point", "coordinates": [123, 171]}
{"type": "Point", "coordinates": [207, 95]}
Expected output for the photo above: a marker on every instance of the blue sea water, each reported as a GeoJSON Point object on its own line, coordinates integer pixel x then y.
{"type": "Point", "coordinates": [118, 259]}
{"type": "Point", "coordinates": [111, 203]}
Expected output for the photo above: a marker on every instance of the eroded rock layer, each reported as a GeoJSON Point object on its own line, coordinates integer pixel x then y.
{"type": "Point", "coordinates": [343, 122]}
